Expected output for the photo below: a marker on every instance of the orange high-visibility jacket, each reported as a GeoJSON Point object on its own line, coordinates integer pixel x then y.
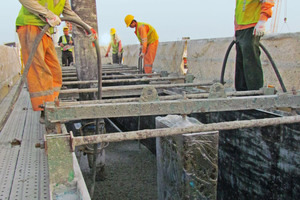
{"type": "Point", "coordinates": [146, 34]}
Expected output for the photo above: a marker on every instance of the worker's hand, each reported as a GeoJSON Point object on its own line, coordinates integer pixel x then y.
{"type": "Point", "coordinates": [259, 29]}
{"type": "Point", "coordinates": [66, 47]}
{"type": "Point", "coordinates": [52, 19]}
{"type": "Point", "coordinates": [106, 55]}
{"type": "Point", "coordinates": [119, 54]}
{"type": "Point", "coordinates": [61, 44]}
{"type": "Point", "coordinates": [70, 42]}
{"type": "Point", "coordinates": [142, 55]}
{"type": "Point", "coordinates": [93, 36]}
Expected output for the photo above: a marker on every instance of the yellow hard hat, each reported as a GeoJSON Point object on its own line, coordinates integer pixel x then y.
{"type": "Point", "coordinates": [128, 19]}
{"type": "Point", "coordinates": [112, 31]}
{"type": "Point", "coordinates": [66, 28]}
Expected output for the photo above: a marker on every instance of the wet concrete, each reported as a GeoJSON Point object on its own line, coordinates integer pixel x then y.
{"type": "Point", "coordinates": [130, 173]}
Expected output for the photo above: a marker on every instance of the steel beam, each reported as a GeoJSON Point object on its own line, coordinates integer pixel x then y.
{"type": "Point", "coordinates": [183, 106]}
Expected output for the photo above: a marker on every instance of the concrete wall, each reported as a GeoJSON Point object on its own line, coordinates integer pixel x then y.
{"type": "Point", "coordinates": [205, 58]}
{"type": "Point", "coordinates": [10, 69]}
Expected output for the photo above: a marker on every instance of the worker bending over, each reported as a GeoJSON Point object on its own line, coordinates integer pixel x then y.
{"type": "Point", "coordinates": [44, 76]}
{"type": "Point", "coordinates": [250, 19]}
{"type": "Point", "coordinates": [66, 44]}
{"type": "Point", "coordinates": [116, 45]}
{"type": "Point", "coordinates": [148, 39]}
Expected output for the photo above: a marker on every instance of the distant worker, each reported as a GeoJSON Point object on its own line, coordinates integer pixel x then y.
{"type": "Point", "coordinates": [116, 45]}
{"type": "Point", "coordinates": [66, 44]}
{"type": "Point", "coordinates": [45, 76]}
{"type": "Point", "coordinates": [250, 19]}
{"type": "Point", "coordinates": [148, 39]}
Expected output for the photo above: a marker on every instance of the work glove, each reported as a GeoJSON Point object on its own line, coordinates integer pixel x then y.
{"type": "Point", "coordinates": [52, 19]}
{"type": "Point", "coordinates": [93, 36]}
{"type": "Point", "coordinates": [259, 29]}
{"type": "Point", "coordinates": [106, 55]}
{"type": "Point", "coordinates": [142, 55]}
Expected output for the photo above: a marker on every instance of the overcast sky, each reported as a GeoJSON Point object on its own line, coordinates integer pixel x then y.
{"type": "Point", "coordinates": [172, 19]}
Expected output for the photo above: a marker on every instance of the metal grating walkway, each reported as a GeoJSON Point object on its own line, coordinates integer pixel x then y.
{"type": "Point", "coordinates": [23, 168]}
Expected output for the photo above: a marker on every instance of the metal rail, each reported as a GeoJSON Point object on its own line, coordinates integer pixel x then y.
{"type": "Point", "coordinates": [143, 134]}
{"type": "Point", "coordinates": [125, 80]}
{"type": "Point", "coordinates": [183, 106]}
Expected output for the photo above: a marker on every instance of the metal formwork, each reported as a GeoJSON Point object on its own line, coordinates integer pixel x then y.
{"type": "Point", "coordinates": [127, 94]}
{"type": "Point", "coordinates": [170, 95]}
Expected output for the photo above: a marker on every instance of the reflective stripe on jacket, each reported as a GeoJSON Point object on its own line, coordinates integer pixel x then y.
{"type": "Point", "coordinates": [151, 33]}
{"type": "Point", "coordinates": [25, 17]}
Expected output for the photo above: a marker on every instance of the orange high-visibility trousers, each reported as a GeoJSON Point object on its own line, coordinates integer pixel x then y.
{"type": "Point", "coordinates": [44, 77]}
{"type": "Point", "coordinates": [150, 56]}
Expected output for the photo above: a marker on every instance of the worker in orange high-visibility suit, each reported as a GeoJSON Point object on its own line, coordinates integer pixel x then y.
{"type": "Point", "coordinates": [44, 76]}
{"type": "Point", "coordinates": [148, 38]}
{"type": "Point", "coordinates": [250, 19]}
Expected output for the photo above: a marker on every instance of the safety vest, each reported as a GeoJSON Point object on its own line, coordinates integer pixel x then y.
{"type": "Point", "coordinates": [64, 41]}
{"type": "Point", "coordinates": [151, 35]}
{"type": "Point", "coordinates": [247, 11]}
{"type": "Point", "coordinates": [27, 18]}
{"type": "Point", "coordinates": [115, 46]}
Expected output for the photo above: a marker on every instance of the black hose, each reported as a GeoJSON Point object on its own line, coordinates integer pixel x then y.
{"type": "Point", "coordinates": [225, 62]}
{"type": "Point", "coordinates": [267, 54]}
{"type": "Point", "coordinates": [274, 67]}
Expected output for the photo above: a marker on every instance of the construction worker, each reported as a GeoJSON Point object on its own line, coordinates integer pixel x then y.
{"type": "Point", "coordinates": [250, 19]}
{"type": "Point", "coordinates": [116, 45]}
{"type": "Point", "coordinates": [66, 44]}
{"type": "Point", "coordinates": [148, 39]}
{"type": "Point", "coordinates": [45, 76]}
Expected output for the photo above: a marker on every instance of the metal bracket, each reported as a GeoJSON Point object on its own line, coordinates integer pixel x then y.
{"type": "Point", "coordinates": [217, 90]}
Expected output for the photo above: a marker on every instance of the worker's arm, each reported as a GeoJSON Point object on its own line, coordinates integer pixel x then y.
{"type": "Point", "coordinates": [265, 14]}
{"type": "Point", "coordinates": [266, 10]}
{"type": "Point", "coordinates": [108, 49]}
{"type": "Point", "coordinates": [60, 42]}
{"type": "Point", "coordinates": [71, 42]}
{"type": "Point", "coordinates": [120, 46]}
{"type": "Point", "coordinates": [39, 10]}
{"type": "Point", "coordinates": [143, 34]}
{"type": "Point", "coordinates": [68, 12]}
